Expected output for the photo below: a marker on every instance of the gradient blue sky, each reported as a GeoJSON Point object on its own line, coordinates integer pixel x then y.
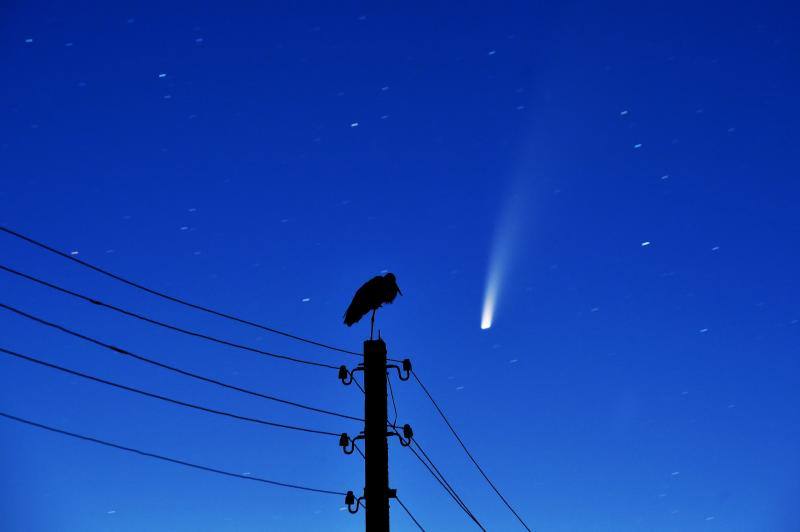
{"type": "Point", "coordinates": [249, 156]}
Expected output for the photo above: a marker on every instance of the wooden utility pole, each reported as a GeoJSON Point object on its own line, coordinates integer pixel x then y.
{"type": "Point", "coordinates": [376, 450]}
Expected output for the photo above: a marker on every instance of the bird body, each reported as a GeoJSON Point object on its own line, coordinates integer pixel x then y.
{"type": "Point", "coordinates": [371, 296]}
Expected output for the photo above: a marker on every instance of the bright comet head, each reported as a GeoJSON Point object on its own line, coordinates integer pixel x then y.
{"type": "Point", "coordinates": [493, 278]}
{"type": "Point", "coordinates": [488, 312]}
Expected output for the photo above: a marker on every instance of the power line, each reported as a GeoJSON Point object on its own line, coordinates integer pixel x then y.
{"type": "Point", "coordinates": [164, 398]}
{"type": "Point", "coordinates": [163, 324]}
{"type": "Point", "coordinates": [357, 448]}
{"type": "Point", "coordinates": [173, 298]}
{"type": "Point", "coordinates": [243, 321]}
{"type": "Point", "coordinates": [358, 385]}
{"type": "Point", "coordinates": [165, 458]}
{"type": "Point", "coordinates": [391, 392]}
{"type": "Point", "coordinates": [409, 513]}
{"type": "Point", "coordinates": [438, 474]}
{"type": "Point", "coordinates": [463, 446]}
{"type": "Point", "coordinates": [452, 494]}
{"type": "Point", "coordinates": [141, 358]}
{"type": "Point", "coordinates": [441, 475]}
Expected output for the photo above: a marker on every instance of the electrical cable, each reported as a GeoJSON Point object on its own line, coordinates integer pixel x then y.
{"type": "Point", "coordinates": [396, 497]}
{"type": "Point", "coordinates": [394, 405]}
{"type": "Point", "coordinates": [442, 480]}
{"type": "Point", "coordinates": [358, 385]}
{"type": "Point", "coordinates": [165, 458]}
{"type": "Point", "coordinates": [409, 513]}
{"type": "Point", "coordinates": [141, 358]}
{"type": "Point", "coordinates": [444, 486]}
{"type": "Point", "coordinates": [438, 472]}
{"type": "Point", "coordinates": [439, 475]}
{"type": "Point", "coordinates": [463, 446]}
{"type": "Point", "coordinates": [164, 398]}
{"type": "Point", "coordinates": [166, 325]}
{"type": "Point", "coordinates": [357, 448]}
{"type": "Point", "coordinates": [263, 327]}
{"type": "Point", "coordinates": [172, 298]}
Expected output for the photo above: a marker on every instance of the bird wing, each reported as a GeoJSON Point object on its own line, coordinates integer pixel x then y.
{"type": "Point", "coordinates": [362, 301]}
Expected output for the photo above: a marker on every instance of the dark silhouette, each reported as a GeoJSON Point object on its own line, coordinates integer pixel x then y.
{"type": "Point", "coordinates": [371, 296]}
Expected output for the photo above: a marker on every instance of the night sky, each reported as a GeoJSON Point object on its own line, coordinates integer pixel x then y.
{"type": "Point", "coordinates": [628, 171]}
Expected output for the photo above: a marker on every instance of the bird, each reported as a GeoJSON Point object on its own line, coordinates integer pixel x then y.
{"type": "Point", "coordinates": [372, 295]}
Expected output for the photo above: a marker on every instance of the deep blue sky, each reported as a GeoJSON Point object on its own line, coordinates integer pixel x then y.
{"type": "Point", "coordinates": [252, 156]}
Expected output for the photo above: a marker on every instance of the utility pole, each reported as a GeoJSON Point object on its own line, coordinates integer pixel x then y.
{"type": "Point", "coordinates": [376, 449]}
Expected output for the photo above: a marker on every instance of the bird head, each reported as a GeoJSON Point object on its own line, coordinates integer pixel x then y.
{"type": "Point", "coordinates": [393, 280]}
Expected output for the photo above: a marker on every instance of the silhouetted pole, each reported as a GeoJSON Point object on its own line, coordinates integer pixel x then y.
{"type": "Point", "coordinates": [376, 450]}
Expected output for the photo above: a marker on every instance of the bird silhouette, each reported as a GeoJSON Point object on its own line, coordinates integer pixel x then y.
{"type": "Point", "coordinates": [371, 296]}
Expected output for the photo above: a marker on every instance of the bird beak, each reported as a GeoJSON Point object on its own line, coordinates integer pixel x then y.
{"type": "Point", "coordinates": [399, 291]}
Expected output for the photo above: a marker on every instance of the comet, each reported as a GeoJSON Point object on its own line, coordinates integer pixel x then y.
{"type": "Point", "coordinates": [504, 243]}
{"type": "Point", "coordinates": [498, 264]}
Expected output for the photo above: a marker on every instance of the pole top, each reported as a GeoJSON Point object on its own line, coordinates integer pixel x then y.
{"type": "Point", "coordinates": [375, 346]}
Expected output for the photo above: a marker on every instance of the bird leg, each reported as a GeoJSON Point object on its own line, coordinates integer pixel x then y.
{"type": "Point", "coordinates": [372, 323]}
